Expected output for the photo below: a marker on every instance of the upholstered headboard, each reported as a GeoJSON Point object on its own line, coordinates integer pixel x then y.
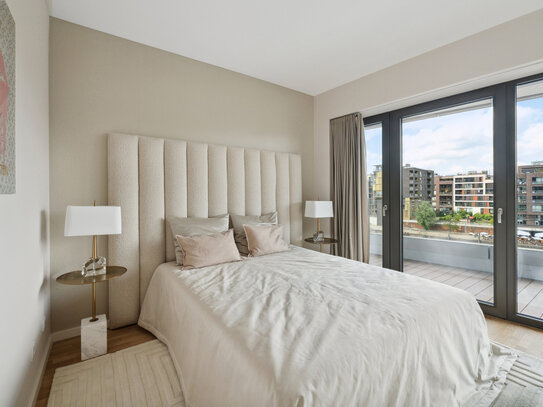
{"type": "Point", "coordinates": [153, 178]}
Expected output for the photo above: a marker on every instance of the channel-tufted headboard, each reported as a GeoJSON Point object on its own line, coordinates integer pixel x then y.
{"type": "Point", "coordinates": [153, 178]}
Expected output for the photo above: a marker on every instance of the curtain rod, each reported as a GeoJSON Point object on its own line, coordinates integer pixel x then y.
{"type": "Point", "coordinates": [345, 115]}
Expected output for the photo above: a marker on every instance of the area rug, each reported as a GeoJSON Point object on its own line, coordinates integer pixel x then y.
{"type": "Point", "coordinates": [523, 385]}
{"type": "Point", "coordinates": [144, 375]}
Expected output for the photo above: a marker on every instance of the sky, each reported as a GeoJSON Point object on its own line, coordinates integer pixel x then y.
{"type": "Point", "coordinates": [462, 142]}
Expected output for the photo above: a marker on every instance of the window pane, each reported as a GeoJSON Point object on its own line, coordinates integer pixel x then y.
{"type": "Point", "coordinates": [374, 172]}
{"type": "Point", "coordinates": [447, 197]}
{"type": "Point", "coordinates": [530, 199]}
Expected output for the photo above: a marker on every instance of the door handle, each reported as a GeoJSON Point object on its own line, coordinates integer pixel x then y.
{"type": "Point", "coordinates": [500, 213]}
{"type": "Point", "coordinates": [385, 209]}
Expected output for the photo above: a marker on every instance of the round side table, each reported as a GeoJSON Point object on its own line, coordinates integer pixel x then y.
{"type": "Point", "coordinates": [76, 278]}
{"type": "Point", "coordinates": [326, 240]}
{"type": "Point", "coordinates": [94, 330]}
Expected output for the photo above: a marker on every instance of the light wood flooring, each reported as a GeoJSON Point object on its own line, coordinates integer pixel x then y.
{"type": "Point", "coordinates": [480, 284]}
{"type": "Point", "coordinates": [521, 337]}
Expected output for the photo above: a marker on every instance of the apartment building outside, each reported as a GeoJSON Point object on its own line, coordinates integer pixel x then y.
{"type": "Point", "coordinates": [375, 194]}
{"type": "Point", "coordinates": [417, 187]}
{"type": "Point", "coordinates": [443, 201]}
{"type": "Point", "coordinates": [530, 194]}
{"type": "Point", "coordinates": [474, 192]}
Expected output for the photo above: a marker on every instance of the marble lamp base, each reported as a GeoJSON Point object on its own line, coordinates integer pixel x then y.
{"type": "Point", "coordinates": [93, 337]}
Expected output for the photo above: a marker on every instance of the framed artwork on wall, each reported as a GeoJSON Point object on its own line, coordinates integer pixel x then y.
{"type": "Point", "coordinates": [7, 100]}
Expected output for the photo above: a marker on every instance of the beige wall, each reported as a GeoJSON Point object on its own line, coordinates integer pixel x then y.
{"type": "Point", "coordinates": [505, 52]}
{"type": "Point", "coordinates": [24, 216]}
{"type": "Point", "coordinates": [100, 83]}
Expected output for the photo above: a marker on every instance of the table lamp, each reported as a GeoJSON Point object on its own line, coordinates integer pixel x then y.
{"type": "Point", "coordinates": [93, 221]}
{"type": "Point", "coordinates": [318, 210]}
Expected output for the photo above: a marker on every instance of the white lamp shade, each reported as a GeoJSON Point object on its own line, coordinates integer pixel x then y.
{"type": "Point", "coordinates": [92, 220]}
{"type": "Point", "coordinates": [319, 209]}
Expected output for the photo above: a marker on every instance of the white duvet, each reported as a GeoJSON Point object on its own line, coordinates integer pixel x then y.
{"type": "Point", "coordinates": [302, 328]}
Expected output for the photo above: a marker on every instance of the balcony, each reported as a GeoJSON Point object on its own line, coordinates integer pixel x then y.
{"type": "Point", "coordinates": [468, 265]}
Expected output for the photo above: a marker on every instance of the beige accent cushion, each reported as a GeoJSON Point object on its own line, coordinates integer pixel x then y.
{"type": "Point", "coordinates": [194, 227]}
{"type": "Point", "coordinates": [238, 221]}
{"type": "Point", "coordinates": [265, 239]}
{"type": "Point", "coordinates": [207, 250]}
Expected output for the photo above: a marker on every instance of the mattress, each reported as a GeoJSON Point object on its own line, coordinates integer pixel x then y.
{"type": "Point", "coordinates": [302, 328]}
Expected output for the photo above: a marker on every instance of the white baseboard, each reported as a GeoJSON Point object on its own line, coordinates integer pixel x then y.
{"type": "Point", "coordinates": [54, 337]}
{"type": "Point", "coordinates": [65, 334]}
{"type": "Point", "coordinates": [43, 365]}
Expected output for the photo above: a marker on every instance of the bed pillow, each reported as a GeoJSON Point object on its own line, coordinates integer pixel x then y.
{"type": "Point", "coordinates": [265, 239]}
{"type": "Point", "coordinates": [208, 250]}
{"type": "Point", "coordinates": [193, 227]}
{"type": "Point", "coordinates": [239, 233]}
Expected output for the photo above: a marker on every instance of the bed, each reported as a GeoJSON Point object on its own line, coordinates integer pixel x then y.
{"type": "Point", "coordinates": [297, 328]}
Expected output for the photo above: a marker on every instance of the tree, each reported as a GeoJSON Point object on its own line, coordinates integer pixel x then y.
{"type": "Point", "coordinates": [426, 217]}
{"type": "Point", "coordinates": [478, 217]}
{"type": "Point", "coordinates": [451, 227]}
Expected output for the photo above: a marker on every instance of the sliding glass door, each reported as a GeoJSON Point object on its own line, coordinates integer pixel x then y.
{"type": "Point", "coordinates": [448, 196]}
{"type": "Point", "coordinates": [444, 172]}
{"type": "Point", "coordinates": [456, 194]}
{"type": "Point", "coordinates": [373, 133]}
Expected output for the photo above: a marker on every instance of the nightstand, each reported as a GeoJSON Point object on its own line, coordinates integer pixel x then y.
{"type": "Point", "coordinates": [93, 330]}
{"type": "Point", "coordinates": [327, 240]}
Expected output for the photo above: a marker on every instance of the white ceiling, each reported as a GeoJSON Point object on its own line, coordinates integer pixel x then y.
{"type": "Point", "coordinates": [307, 45]}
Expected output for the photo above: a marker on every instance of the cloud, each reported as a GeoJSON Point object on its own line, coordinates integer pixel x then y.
{"type": "Point", "coordinates": [450, 144]}
{"type": "Point", "coordinates": [372, 133]}
{"type": "Point", "coordinates": [526, 112]}
{"type": "Point", "coordinates": [529, 112]}
{"type": "Point", "coordinates": [462, 142]}
{"type": "Point", "coordinates": [530, 144]}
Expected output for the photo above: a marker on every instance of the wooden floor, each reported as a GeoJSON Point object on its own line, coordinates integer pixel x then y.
{"type": "Point", "coordinates": [521, 337]}
{"type": "Point", "coordinates": [68, 352]}
{"type": "Point", "coordinates": [480, 284]}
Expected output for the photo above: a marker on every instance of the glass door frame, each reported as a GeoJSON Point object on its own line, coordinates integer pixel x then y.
{"type": "Point", "coordinates": [392, 185]}
{"type": "Point", "coordinates": [511, 191]}
{"type": "Point", "coordinates": [384, 120]}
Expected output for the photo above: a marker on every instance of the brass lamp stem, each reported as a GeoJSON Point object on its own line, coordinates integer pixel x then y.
{"type": "Point", "coordinates": [94, 256]}
{"type": "Point", "coordinates": [94, 242]}
{"type": "Point", "coordinates": [318, 230]}
{"type": "Point", "coordinates": [93, 319]}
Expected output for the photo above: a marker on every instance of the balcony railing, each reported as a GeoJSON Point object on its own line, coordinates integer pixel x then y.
{"type": "Point", "coordinates": [461, 254]}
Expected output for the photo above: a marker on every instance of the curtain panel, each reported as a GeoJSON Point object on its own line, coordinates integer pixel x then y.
{"type": "Point", "coordinates": [349, 190]}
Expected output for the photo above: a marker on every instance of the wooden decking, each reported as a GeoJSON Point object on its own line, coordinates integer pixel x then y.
{"type": "Point", "coordinates": [480, 284]}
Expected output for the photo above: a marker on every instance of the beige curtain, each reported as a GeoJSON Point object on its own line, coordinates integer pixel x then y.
{"type": "Point", "coordinates": [349, 190]}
